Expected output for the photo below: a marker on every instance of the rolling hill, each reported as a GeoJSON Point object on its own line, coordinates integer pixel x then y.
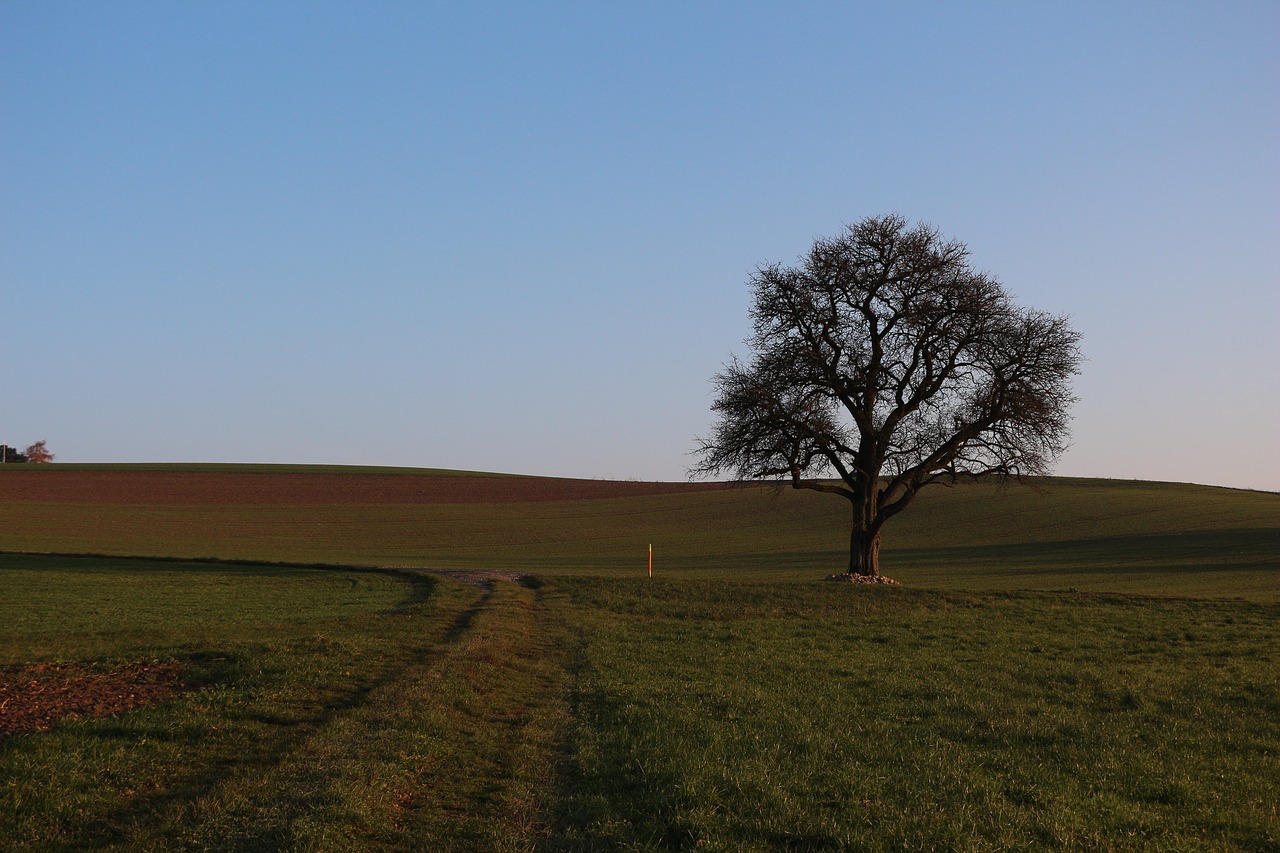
{"type": "Point", "coordinates": [1055, 533]}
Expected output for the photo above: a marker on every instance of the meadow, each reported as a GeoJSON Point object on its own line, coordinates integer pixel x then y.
{"type": "Point", "coordinates": [330, 710]}
{"type": "Point", "coordinates": [1084, 665]}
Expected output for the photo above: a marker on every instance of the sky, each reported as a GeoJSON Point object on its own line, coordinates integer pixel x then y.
{"type": "Point", "coordinates": [516, 237]}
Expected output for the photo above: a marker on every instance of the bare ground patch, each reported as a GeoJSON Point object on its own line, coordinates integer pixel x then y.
{"type": "Point", "coordinates": [34, 697]}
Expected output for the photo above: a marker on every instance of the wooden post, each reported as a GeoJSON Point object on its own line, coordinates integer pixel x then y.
{"type": "Point", "coordinates": [650, 559]}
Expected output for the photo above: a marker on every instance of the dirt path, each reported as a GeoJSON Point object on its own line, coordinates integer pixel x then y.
{"type": "Point", "coordinates": [475, 577]}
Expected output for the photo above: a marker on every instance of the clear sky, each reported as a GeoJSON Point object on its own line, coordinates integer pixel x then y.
{"type": "Point", "coordinates": [515, 236]}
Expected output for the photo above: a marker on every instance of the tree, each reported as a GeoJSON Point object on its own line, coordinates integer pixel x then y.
{"type": "Point", "coordinates": [885, 358]}
{"type": "Point", "coordinates": [11, 455]}
{"type": "Point", "coordinates": [38, 452]}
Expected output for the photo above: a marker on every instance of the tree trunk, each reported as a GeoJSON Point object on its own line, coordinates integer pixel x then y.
{"type": "Point", "coordinates": [864, 552]}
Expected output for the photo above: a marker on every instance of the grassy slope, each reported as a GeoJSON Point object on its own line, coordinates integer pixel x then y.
{"type": "Point", "coordinates": [1141, 537]}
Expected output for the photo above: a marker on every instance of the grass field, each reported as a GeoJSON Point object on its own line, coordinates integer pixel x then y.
{"type": "Point", "coordinates": [780, 716]}
{"type": "Point", "coordinates": [735, 702]}
{"type": "Point", "coordinates": [329, 710]}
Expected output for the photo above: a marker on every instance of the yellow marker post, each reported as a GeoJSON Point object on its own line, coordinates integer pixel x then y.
{"type": "Point", "coordinates": [650, 559]}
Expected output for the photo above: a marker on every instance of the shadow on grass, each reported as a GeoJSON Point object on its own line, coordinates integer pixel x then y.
{"type": "Point", "coordinates": [420, 586]}
{"type": "Point", "coordinates": [619, 799]}
{"type": "Point", "coordinates": [109, 563]}
{"type": "Point", "coordinates": [1194, 551]}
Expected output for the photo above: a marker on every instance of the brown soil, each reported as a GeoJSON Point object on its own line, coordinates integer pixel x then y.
{"type": "Point", "coordinates": [35, 697]}
{"type": "Point", "coordinates": [188, 487]}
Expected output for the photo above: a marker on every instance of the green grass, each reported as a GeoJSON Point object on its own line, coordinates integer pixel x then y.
{"type": "Point", "coordinates": [767, 717]}
{"type": "Point", "coordinates": [52, 608]}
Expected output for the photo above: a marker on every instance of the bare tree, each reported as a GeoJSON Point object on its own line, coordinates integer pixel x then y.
{"type": "Point", "coordinates": [884, 358]}
{"type": "Point", "coordinates": [38, 452]}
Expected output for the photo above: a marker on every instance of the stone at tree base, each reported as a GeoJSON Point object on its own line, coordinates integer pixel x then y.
{"type": "Point", "coordinates": [848, 578]}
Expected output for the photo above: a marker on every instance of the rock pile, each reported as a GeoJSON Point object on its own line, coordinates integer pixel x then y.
{"type": "Point", "coordinates": [848, 578]}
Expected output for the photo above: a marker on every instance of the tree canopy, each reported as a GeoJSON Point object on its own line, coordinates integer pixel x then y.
{"type": "Point", "coordinates": [39, 453]}
{"type": "Point", "coordinates": [885, 359]}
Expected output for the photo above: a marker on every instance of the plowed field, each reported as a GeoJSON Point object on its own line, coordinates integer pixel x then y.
{"type": "Point", "coordinates": [192, 488]}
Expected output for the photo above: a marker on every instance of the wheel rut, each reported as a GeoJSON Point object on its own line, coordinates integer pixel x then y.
{"type": "Point", "coordinates": [289, 760]}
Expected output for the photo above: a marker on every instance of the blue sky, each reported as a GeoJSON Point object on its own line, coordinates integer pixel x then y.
{"type": "Point", "coordinates": [516, 236]}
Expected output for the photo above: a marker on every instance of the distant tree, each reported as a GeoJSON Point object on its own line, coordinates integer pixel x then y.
{"type": "Point", "coordinates": [885, 358]}
{"type": "Point", "coordinates": [38, 452]}
{"type": "Point", "coordinates": [10, 455]}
